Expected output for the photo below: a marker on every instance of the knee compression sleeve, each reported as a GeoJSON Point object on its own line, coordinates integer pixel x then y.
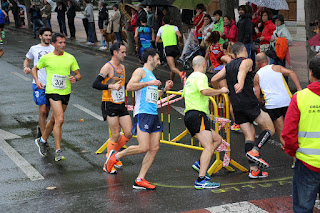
{"type": "Point", "coordinates": [262, 139]}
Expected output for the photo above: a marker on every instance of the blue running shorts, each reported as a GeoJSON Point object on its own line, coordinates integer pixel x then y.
{"type": "Point", "coordinates": [39, 96]}
{"type": "Point", "coordinates": [147, 123]}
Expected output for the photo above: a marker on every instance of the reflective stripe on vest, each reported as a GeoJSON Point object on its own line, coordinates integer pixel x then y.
{"type": "Point", "coordinates": [168, 37]}
{"type": "Point", "coordinates": [309, 128]}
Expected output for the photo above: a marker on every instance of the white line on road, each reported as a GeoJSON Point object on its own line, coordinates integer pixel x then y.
{"type": "Point", "coordinates": [21, 76]}
{"type": "Point", "coordinates": [99, 117]}
{"type": "Point", "coordinates": [24, 165]}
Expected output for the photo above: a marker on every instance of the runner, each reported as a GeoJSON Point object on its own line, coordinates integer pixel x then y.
{"type": "Point", "coordinates": [39, 96]}
{"type": "Point", "coordinates": [275, 90]}
{"type": "Point", "coordinates": [195, 93]}
{"type": "Point", "coordinates": [168, 34]}
{"type": "Point", "coordinates": [3, 16]}
{"type": "Point", "coordinates": [111, 81]}
{"type": "Point", "coordinates": [144, 35]}
{"type": "Point", "coordinates": [58, 65]}
{"type": "Point", "coordinates": [246, 107]}
{"type": "Point", "coordinates": [147, 125]}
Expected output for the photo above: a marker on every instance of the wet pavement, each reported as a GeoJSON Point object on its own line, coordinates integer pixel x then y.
{"type": "Point", "coordinates": [79, 184]}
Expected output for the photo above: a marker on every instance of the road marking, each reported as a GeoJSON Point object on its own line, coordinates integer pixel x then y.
{"type": "Point", "coordinates": [7, 135]}
{"type": "Point", "coordinates": [24, 165]}
{"type": "Point", "coordinates": [179, 109]}
{"type": "Point", "coordinates": [21, 76]}
{"type": "Point", "coordinates": [99, 117]}
{"type": "Point", "coordinates": [236, 207]}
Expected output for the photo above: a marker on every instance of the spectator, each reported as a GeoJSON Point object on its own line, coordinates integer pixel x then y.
{"type": "Point", "coordinates": [5, 7]}
{"type": "Point", "coordinates": [143, 36]}
{"type": "Point", "coordinates": [245, 29]}
{"type": "Point", "coordinates": [133, 20]}
{"type": "Point", "coordinates": [46, 14]}
{"type": "Point", "coordinates": [214, 51]}
{"type": "Point", "coordinates": [205, 30]}
{"type": "Point", "coordinates": [115, 19]}
{"type": "Point", "coordinates": [22, 16]}
{"type": "Point", "coordinates": [198, 19]}
{"type": "Point", "coordinates": [187, 23]}
{"type": "Point", "coordinates": [103, 16]}
{"type": "Point", "coordinates": [71, 14]}
{"type": "Point", "coordinates": [267, 32]}
{"type": "Point", "coordinates": [141, 13]}
{"type": "Point", "coordinates": [36, 19]}
{"type": "Point", "coordinates": [88, 13]}
{"type": "Point", "coordinates": [150, 15]}
{"type": "Point", "coordinates": [61, 16]}
{"type": "Point", "coordinates": [218, 25]}
{"type": "Point", "coordinates": [230, 29]}
{"type": "Point", "coordinates": [15, 11]}
{"type": "Point", "coordinates": [301, 133]}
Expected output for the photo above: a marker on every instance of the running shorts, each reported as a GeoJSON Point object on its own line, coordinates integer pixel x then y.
{"type": "Point", "coordinates": [172, 51]}
{"type": "Point", "coordinates": [147, 123]}
{"type": "Point", "coordinates": [39, 96]}
{"type": "Point", "coordinates": [111, 109]}
{"type": "Point", "coordinates": [196, 121]}
{"type": "Point", "coordinates": [56, 97]}
{"type": "Point", "coordinates": [277, 113]}
{"type": "Point", "coordinates": [247, 115]}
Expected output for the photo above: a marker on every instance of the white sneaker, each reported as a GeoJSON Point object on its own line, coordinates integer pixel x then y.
{"type": "Point", "coordinates": [89, 43]}
{"type": "Point", "coordinates": [102, 48]}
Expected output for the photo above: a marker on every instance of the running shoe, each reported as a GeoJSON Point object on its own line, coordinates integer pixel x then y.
{"type": "Point", "coordinates": [293, 165]}
{"type": "Point", "coordinates": [59, 156]}
{"type": "Point", "coordinates": [183, 75]}
{"type": "Point", "coordinates": [255, 157]}
{"type": "Point", "coordinates": [257, 174]}
{"type": "Point", "coordinates": [43, 148]}
{"type": "Point", "coordinates": [111, 160]}
{"type": "Point", "coordinates": [118, 165]}
{"type": "Point", "coordinates": [235, 127]}
{"type": "Point", "coordinates": [1, 42]}
{"type": "Point", "coordinates": [143, 184]}
{"type": "Point", "coordinates": [3, 34]}
{"type": "Point", "coordinates": [205, 184]}
{"type": "Point", "coordinates": [196, 166]}
{"type": "Point", "coordinates": [38, 132]}
{"type": "Point", "coordinates": [113, 170]}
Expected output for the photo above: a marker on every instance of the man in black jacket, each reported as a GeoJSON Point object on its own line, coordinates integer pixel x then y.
{"type": "Point", "coordinates": [245, 27]}
{"type": "Point", "coordinates": [36, 19]}
{"type": "Point", "coordinates": [102, 18]}
{"type": "Point", "coordinates": [141, 12]}
{"type": "Point", "coordinates": [71, 14]}
{"type": "Point", "coordinates": [61, 16]}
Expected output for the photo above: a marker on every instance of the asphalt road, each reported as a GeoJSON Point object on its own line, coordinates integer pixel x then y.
{"type": "Point", "coordinates": [79, 184]}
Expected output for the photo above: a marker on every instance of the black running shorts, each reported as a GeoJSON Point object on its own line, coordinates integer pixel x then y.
{"type": "Point", "coordinates": [56, 97]}
{"type": "Point", "coordinates": [172, 51]}
{"type": "Point", "coordinates": [196, 121]}
{"type": "Point", "coordinates": [112, 109]}
{"type": "Point", "coordinates": [247, 115]}
{"type": "Point", "coordinates": [277, 113]}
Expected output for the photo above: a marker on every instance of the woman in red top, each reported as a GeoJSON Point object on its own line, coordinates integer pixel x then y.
{"type": "Point", "coordinates": [198, 19]}
{"type": "Point", "coordinates": [214, 51]}
{"type": "Point", "coordinates": [268, 28]}
{"type": "Point", "coordinates": [230, 29]}
{"type": "Point", "coordinates": [133, 21]}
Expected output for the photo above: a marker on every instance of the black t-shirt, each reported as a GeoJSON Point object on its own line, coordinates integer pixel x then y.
{"type": "Point", "coordinates": [245, 99]}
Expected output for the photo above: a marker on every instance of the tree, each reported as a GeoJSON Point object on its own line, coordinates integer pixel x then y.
{"type": "Point", "coordinates": [28, 15]}
{"type": "Point", "coordinates": [227, 7]}
{"type": "Point", "coordinates": [312, 9]}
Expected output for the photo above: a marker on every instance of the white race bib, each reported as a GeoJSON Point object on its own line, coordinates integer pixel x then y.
{"type": "Point", "coordinates": [118, 96]}
{"type": "Point", "coordinates": [59, 81]}
{"type": "Point", "coordinates": [152, 95]}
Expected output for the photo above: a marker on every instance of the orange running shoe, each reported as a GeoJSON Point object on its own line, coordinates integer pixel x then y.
{"type": "Point", "coordinates": [258, 174]}
{"type": "Point", "coordinates": [143, 184]}
{"type": "Point", "coordinates": [235, 127]}
{"type": "Point", "coordinates": [255, 157]}
{"type": "Point", "coordinates": [118, 165]}
{"type": "Point", "coordinates": [111, 160]}
{"type": "Point", "coordinates": [183, 75]}
{"type": "Point", "coordinates": [113, 170]}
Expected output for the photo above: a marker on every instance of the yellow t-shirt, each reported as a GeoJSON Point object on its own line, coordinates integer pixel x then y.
{"type": "Point", "coordinates": [194, 100]}
{"type": "Point", "coordinates": [58, 69]}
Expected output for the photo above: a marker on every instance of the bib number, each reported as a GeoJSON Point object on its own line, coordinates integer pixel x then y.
{"type": "Point", "coordinates": [59, 81]}
{"type": "Point", "coordinates": [152, 95]}
{"type": "Point", "coordinates": [118, 96]}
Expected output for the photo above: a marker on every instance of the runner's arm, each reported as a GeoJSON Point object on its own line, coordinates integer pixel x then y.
{"type": "Point", "coordinates": [168, 86]}
{"type": "Point", "coordinates": [35, 76]}
{"type": "Point", "coordinates": [214, 92]}
{"type": "Point", "coordinates": [26, 64]}
{"type": "Point", "coordinates": [137, 75]}
{"type": "Point", "coordinates": [245, 67]}
{"type": "Point", "coordinates": [77, 77]}
{"type": "Point", "coordinates": [136, 38]}
{"type": "Point", "coordinates": [104, 72]}
{"type": "Point", "coordinates": [290, 73]}
{"type": "Point", "coordinates": [257, 88]}
{"type": "Point", "coordinates": [220, 75]}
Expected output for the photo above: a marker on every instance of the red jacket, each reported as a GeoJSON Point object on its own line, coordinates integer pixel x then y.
{"type": "Point", "coordinates": [198, 22]}
{"type": "Point", "coordinates": [267, 32]}
{"type": "Point", "coordinates": [231, 32]}
{"type": "Point", "coordinates": [290, 127]}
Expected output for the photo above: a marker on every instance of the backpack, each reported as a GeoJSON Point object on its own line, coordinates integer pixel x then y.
{"type": "Point", "coordinates": [281, 47]}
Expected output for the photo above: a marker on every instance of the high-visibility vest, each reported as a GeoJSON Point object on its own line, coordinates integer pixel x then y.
{"type": "Point", "coordinates": [168, 37]}
{"type": "Point", "coordinates": [309, 128]}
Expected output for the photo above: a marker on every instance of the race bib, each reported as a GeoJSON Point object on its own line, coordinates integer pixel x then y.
{"type": "Point", "coordinates": [152, 95]}
{"type": "Point", "coordinates": [118, 96]}
{"type": "Point", "coordinates": [59, 81]}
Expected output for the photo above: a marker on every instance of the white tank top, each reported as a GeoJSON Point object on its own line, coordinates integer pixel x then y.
{"type": "Point", "coordinates": [274, 88]}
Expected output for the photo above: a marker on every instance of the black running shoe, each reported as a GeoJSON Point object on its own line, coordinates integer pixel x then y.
{"type": "Point", "coordinates": [43, 150]}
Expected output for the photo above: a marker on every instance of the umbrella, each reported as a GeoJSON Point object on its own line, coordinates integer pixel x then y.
{"type": "Point", "coordinates": [315, 40]}
{"type": "Point", "coordinates": [189, 4]}
{"type": "Point", "coordinates": [63, 1]}
{"type": "Point", "coordinates": [52, 4]}
{"type": "Point", "coordinates": [272, 4]}
{"type": "Point", "coordinates": [126, 10]}
{"type": "Point", "coordinates": [76, 4]}
{"type": "Point", "coordinates": [22, 6]}
{"type": "Point", "coordinates": [159, 3]}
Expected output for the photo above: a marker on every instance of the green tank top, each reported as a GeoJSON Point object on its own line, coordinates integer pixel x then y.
{"type": "Point", "coordinates": [169, 37]}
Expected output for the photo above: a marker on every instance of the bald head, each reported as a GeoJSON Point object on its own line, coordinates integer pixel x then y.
{"type": "Point", "coordinates": [199, 64]}
{"type": "Point", "coordinates": [261, 57]}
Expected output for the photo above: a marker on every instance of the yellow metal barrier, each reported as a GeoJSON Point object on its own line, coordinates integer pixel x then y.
{"type": "Point", "coordinates": [219, 108]}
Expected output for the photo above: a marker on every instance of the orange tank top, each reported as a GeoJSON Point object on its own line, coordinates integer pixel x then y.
{"type": "Point", "coordinates": [114, 96]}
